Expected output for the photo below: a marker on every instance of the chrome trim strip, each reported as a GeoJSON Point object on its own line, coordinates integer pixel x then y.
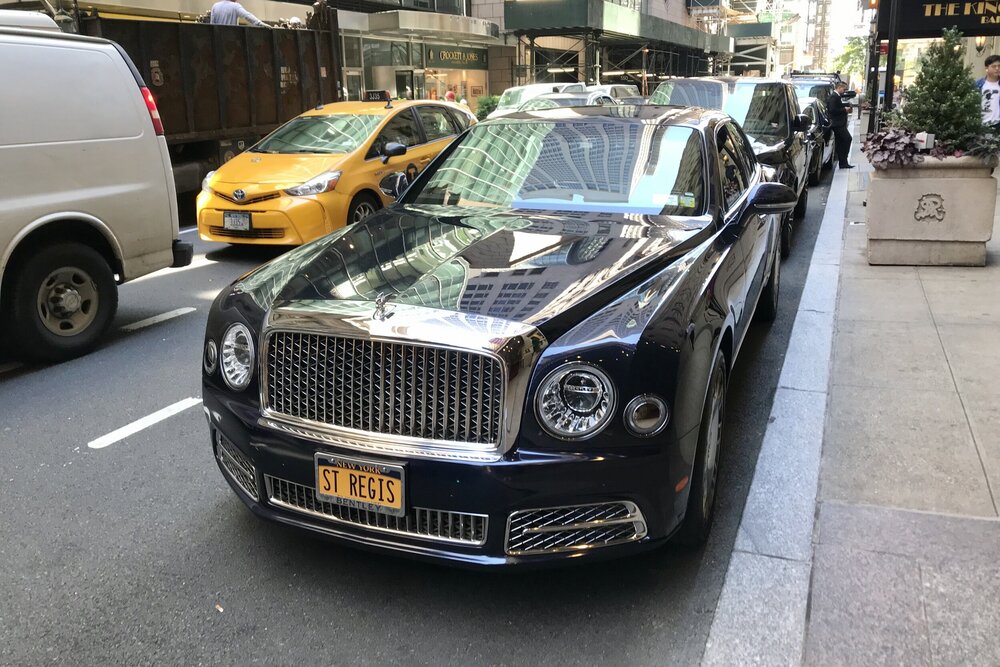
{"type": "Point", "coordinates": [634, 517]}
{"type": "Point", "coordinates": [336, 519]}
{"type": "Point", "coordinates": [515, 345]}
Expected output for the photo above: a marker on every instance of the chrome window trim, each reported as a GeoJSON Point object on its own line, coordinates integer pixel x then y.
{"type": "Point", "coordinates": [514, 345]}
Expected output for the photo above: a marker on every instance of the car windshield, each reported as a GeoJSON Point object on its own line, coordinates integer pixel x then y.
{"type": "Point", "coordinates": [511, 98]}
{"type": "Point", "coordinates": [760, 108]}
{"type": "Point", "coordinates": [689, 93]}
{"type": "Point", "coordinates": [591, 165]}
{"type": "Point", "coordinates": [552, 103]}
{"type": "Point", "coordinates": [339, 133]}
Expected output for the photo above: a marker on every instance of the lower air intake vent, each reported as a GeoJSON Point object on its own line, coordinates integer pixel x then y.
{"type": "Point", "coordinates": [238, 466]}
{"type": "Point", "coordinates": [469, 529]}
{"type": "Point", "coordinates": [574, 528]}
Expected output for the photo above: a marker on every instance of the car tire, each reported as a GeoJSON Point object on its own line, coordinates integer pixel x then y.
{"type": "Point", "coordinates": [697, 521]}
{"type": "Point", "coordinates": [767, 307]}
{"type": "Point", "coordinates": [829, 161]}
{"type": "Point", "coordinates": [785, 234]}
{"type": "Point", "coordinates": [63, 302]}
{"type": "Point", "coordinates": [362, 206]}
{"type": "Point", "coordinates": [814, 175]}
{"type": "Point", "coordinates": [800, 206]}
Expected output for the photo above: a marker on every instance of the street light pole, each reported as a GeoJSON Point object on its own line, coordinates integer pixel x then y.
{"type": "Point", "coordinates": [890, 60]}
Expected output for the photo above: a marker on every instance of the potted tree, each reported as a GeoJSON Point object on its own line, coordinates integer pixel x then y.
{"type": "Point", "coordinates": [936, 208]}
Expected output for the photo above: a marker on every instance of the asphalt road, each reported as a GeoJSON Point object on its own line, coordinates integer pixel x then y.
{"type": "Point", "coordinates": [139, 553]}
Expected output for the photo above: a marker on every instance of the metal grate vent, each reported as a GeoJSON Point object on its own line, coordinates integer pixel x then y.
{"type": "Point", "coordinates": [579, 527]}
{"type": "Point", "coordinates": [261, 233]}
{"type": "Point", "coordinates": [419, 522]}
{"type": "Point", "coordinates": [387, 388]}
{"type": "Point", "coordinates": [239, 467]}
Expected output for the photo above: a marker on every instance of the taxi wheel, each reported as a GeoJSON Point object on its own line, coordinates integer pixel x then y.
{"type": "Point", "coordinates": [362, 206]}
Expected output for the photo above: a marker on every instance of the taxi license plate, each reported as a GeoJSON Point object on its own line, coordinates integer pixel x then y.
{"type": "Point", "coordinates": [364, 485]}
{"type": "Point", "coordinates": [236, 221]}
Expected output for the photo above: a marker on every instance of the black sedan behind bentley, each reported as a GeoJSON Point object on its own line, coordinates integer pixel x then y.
{"type": "Point", "coordinates": [523, 360]}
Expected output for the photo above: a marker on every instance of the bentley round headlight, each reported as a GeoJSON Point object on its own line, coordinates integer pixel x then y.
{"type": "Point", "coordinates": [211, 356]}
{"type": "Point", "coordinates": [237, 357]}
{"type": "Point", "coordinates": [575, 401]}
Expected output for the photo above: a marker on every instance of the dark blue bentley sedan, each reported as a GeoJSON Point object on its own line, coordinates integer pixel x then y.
{"type": "Point", "coordinates": [523, 360]}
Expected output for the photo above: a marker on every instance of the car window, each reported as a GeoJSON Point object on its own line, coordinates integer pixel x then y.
{"type": "Point", "coordinates": [593, 165]}
{"type": "Point", "coordinates": [734, 180]}
{"type": "Point", "coordinates": [689, 92]}
{"type": "Point", "coordinates": [460, 119]}
{"type": "Point", "coordinates": [742, 151]}
{"type": "Point", "coordinates": [810, 113]}
{"type": "Point", "coordinates": [761, 108]}
{"type": "Point", "coordinates": [402, 129]}
{"type": "Point", "coordinates": [437, 123]}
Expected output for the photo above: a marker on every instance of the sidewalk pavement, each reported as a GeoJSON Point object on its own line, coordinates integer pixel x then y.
{"type": "Point", "coordinates": [871, 532]}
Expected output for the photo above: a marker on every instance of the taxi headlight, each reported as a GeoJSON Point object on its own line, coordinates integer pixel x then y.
{"type": "Point", "coordinates": [204, 182]}
{"type": "Point", "coordinates": [237, 357]}
{"type": "Point", "coordinates": [323, 183]}
{"type": "Point", "coordinates": [575, 401]}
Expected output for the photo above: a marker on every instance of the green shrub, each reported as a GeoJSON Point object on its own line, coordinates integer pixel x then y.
{"type": "Point", "coordinates": [486, 105]}
{"type": "Point", "coordinates": [943, 99]}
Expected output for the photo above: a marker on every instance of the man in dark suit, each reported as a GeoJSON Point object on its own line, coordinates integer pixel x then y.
{"type": "Point", "coordinates": [838, 112]}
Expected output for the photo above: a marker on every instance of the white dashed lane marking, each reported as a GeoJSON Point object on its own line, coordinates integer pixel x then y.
{"type": "Point", "coordinates": [145, 422]}
{"type": "Point", "coordinates": [156, 319]}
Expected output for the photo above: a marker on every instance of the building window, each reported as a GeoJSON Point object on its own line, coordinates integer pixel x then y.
{"type": "Point", "coordinates": [352, 52]}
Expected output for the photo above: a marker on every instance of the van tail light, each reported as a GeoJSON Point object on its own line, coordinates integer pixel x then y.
{"type": "Point", "coordinates": [154, 113]}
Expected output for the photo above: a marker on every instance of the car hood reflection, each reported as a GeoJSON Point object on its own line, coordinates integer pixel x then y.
{"type": "Point", "coordinates": [530, 268]}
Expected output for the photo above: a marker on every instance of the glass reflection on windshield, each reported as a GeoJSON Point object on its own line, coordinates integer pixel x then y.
{"type": "Point", "coordinates": [600, 166]}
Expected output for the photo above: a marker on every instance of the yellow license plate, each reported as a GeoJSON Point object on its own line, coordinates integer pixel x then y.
{"type": "Point", "coordinates": [365, 485]}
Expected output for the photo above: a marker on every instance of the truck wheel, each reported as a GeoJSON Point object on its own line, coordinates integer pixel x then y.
{"type": "Point", "coordinates": [63, 301]}
{"type": "Point", "coordinates": [362, 206]}
{"type": "Point", "coordinates": [701, 498]}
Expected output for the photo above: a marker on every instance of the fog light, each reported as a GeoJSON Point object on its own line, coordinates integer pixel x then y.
{"type": "Point", "coordinates": [646, 415]}
{"type": "Point", "coordinates": [211, 356]}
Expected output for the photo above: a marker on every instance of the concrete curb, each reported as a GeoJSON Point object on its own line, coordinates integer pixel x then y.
{"type": "Point", "coordinates": [761, 615]}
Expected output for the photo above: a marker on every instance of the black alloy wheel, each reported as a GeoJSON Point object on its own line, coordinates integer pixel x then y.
{"type": "Point", "coordinates": [63, 301]}
{"type": "Point", "coordinates": [817, 170]}
{"type": "Point", "coordinates": [767, 307]}
{"type": "Point", "coordinates": [801, 205]}
{"type": "Point", "coordinates": [700, 512]}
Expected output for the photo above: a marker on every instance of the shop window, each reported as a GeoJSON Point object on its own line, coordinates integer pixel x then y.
{"type": "Point", "coordinates": [416, 55]}
{"type": "Point", "coordinates": [352, 51]}
{"type": "Point", "coordinates": [377, 52]}
{"type": "Point", "coordinates": [400, 53]}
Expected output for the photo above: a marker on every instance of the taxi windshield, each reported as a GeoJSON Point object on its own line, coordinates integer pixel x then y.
{"type": "Point", "coordinates": [338, 133]}
{"type": "Point", "coordinates": [603, 166]}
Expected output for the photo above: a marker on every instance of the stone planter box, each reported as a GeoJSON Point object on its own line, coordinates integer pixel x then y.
{"type": "Point", "coordinates": [934, 213]}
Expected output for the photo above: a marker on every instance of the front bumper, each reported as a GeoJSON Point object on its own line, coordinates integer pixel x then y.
{"type": "Point", "coordinates": [511, 512]}
{"type": "Point", "coordinates": [281, 220]}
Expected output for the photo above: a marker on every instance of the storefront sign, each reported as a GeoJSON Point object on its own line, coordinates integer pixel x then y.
{"type": "Point", "coordinates": [922, 19]}
{"type": "Point", "coordinates": [455, 57]}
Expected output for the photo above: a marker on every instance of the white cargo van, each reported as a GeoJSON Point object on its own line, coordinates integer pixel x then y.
{"type": "Point", "coordinates": [86, 192]}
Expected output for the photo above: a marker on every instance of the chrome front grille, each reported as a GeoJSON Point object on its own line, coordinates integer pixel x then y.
{"type": "Point", "coordinates": [239, 467]}
{"type": "Point", "coordinates": [579, 527]}
{"type": "Point", "coordinates": [397, 389]}
{"type": "Point", "coordinates": [423, 523]}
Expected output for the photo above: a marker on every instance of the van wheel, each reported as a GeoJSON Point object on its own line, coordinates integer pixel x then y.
{"type": "Point", "coordinates": [800, 206]}
{"type": "Point", "coordinates": [701, 498]}
{"type": "Point", "coordinates": [63, 302]}
{"type": "Point", "coordinates": [362, 206]}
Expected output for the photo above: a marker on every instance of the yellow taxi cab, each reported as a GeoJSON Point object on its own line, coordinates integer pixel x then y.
{"type": "Point", "coordinates": [321, 170]}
